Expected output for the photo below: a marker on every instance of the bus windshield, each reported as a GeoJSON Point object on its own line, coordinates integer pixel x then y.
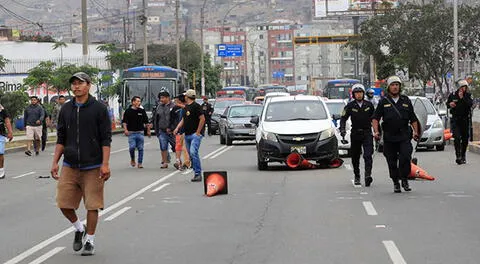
{"type": "Point", "coordinates": [339, 89]}
{"type": "Point", "coordinates": [148, 91]}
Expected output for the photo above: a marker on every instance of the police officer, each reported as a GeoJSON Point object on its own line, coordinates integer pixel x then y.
{"type": "Point", "coordinates": [371, 97]}
{"type": "Point", "coordinates": [361, 112]}
{"type": "Point", "coordinates": [397, 113]}
{"type": "Point", "coordinates": [460, 102]}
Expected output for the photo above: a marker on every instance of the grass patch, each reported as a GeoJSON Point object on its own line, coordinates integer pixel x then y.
{"type": "Point", "coordinates": [23, 143]}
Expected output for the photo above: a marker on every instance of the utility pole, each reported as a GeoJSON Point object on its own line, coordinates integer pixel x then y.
{"type": "Point", "coordinates": [355, 32]}
{"type": "Point", "coordinates": [252, 50]}
{"type": "Point", "coordinates": [145, 41]}
{"type": "Point", "coordinates": [455, 40]}
{"type": "Point", "coordinates": [202, 62]}
{"type": "Point", "coordinates": [125, 48]}
{"type": "Point", "coordinates": [177, 22]}
{"type": "Point", "coordinates": [84, 32]}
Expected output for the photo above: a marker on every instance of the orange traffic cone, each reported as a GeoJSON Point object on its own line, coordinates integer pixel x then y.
{"type": "Point", "coordinates": [215, 183]}
{"type": "Point", "coordinates": [417, 172]}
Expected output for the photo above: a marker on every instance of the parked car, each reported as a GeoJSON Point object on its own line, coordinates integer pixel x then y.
{"type": "Point", "coordinates": [235, 123]}
{"type": "Point", "coordinates": [219, 108]}
{"type": "Point", "coordinates": [290, 124]}
{"type": "Point", "coordinates": [335, 107]}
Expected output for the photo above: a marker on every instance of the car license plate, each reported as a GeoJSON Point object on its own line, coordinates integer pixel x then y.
{"type": "Point", "coordinates": [251, 132]}
{"type": "Point", "coordinates": [299, 149]}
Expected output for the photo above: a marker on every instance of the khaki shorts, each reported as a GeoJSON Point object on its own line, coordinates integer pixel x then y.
{"type": "Point", "coordinates": [75, 184]}
{"type": "Point", "coordinates": [34, 132]}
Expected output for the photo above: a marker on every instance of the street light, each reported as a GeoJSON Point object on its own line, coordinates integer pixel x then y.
{"type": "Point", "coordinates": [202, 63]}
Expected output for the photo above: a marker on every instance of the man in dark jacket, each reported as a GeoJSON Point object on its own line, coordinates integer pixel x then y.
{"type": "Point", "coordinates": [84, 135]}
{"type": "Point", "coordinates": [460, 104]}
{"type": "Point", "coordinates": [33, 117]}
{"type": "Point", "coordinates": [207, 112]}
{"type": "Point", "coordinates": [162, 124]}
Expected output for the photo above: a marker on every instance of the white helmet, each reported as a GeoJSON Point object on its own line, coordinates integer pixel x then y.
{"type": "Point", "coordinates": [461, 83]}
{"type": "Point", "coordinates": [393, 79]}
{"type": "Point", "coordinates": [358, 88]}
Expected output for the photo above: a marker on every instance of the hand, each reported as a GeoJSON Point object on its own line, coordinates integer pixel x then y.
{"type": "Point", "coordinates": [38, 122]}
{"type": "Point", "coordinates": [54, 171]}
{"type": "Point", "coordinates": [415, 136]}
{"type": "Point", "coordinates": [198, 134]}
{"type": "Point", "coordinates": [175, 131]}
{"type": "Point", "coordinates": [376, 135]}
{"type": "Point", "coordinates": [10, 136]}
{"type": "Point", "coordinates": [104, 172]}
{"type": "Point", "coordinates": [452, 104]}
{"type": "Point", "coordinates": [126, 133]}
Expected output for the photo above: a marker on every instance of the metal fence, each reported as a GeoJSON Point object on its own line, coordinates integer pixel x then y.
{"type": "Point", "coordinates": [24, 65]}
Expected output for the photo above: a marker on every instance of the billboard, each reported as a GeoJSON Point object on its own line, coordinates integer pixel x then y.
{"type": "Point", "coordinates": [320, 6]}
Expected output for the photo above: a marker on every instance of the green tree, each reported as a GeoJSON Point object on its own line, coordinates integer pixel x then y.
{"type": "Point", "coordinates": [42, 74]}
{"type": "Point", "coordinates": [212, 77]}
{"type": "Point", "coordinates": [61, 45]}
{"type": "Point", "coordinates": [15, 102]}
{"type": "Point", "coordinates": [3, 63]}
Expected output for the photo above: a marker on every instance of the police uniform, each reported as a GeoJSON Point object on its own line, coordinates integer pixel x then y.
{"type": "Point", "coordinates": [361, 135]}
{"type": "Point", "coordinates": [397, 135]}
{"type": "Point", "coordinates": [460, 122]}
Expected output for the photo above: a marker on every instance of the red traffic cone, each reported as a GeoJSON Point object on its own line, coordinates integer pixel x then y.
{"type": "Point", "coordinates": [215, 183]}
{"type": "Point", "coordinates": [417, 172]}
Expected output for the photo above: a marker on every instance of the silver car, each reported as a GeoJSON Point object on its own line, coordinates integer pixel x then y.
{"type": "Point", "coordinates": [433, 133]}
{"type": "Point", "coordinates": [235, 123]}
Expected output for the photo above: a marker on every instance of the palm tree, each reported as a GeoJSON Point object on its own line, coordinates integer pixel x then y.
{"type": "Point", "coordinates": [61, 45]}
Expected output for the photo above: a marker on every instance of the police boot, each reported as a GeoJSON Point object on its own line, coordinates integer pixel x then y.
{"type": "Point", "coordinates": [368, 178]}
{"type": "Point", "coordinates": [396, 187]}
{"type": "Point", "coordinates": [458, 153]}
{"type": "Point", "coordinates": [406, 186]}
{"type": "Point", "coordinates": [464, 154]}
{"type": "Point", "coordinates": [357, 180]}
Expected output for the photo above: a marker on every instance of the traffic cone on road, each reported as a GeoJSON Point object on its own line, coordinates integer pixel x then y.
{"type": "Point", "coordinates": [417, 172]}
{"type": "Point", "coordinates": [215, 182]}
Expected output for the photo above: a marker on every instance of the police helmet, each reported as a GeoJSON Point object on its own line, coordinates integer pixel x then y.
{"type": "Point", "coordinates": [356, 88]}
{"type": "Point", "coordinates": [370, 92]}
{"type": "Point", "coordinates": [393, 79]}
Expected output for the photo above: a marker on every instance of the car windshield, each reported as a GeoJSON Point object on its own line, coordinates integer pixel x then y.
{"type": "Point", "coordinates": [335, 108]}
{"type": "Point", "coordinates": [429, 106]}
{"type": "Point", "coordinates": [244, 111]}
{"type": "Point", "coordinates": [295, 110]}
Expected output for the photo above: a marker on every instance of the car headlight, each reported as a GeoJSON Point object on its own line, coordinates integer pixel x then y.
{"type": "Point", "coordinates": [269, 136]}
{"type": "Point", "coordinates": [328, 133]}
{"type": "Point", "coordinates": [437, 124]}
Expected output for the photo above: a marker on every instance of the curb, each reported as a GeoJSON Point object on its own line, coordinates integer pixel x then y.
{"type": "Point", "coordinates": [474, 147]}
{"type": "Point", "coordinates": [22, 149]}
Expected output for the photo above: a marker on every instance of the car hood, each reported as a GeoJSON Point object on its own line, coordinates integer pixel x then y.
{"type": "Point", "coordinates": [240, 120]}
{"type": "Point", "coordinates": [297, 127]}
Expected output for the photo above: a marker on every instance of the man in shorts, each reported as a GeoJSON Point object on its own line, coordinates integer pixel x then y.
{"type": "Point", "coordinates": [5, 133]}
{"type": "Point", "coordinates": [33, 117]}
{"type": "Point", "coordinates": [84, 135]}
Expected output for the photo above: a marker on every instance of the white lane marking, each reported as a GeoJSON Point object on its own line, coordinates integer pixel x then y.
{"type": "Point", "coordinates": [118, 213]}
{"type": "Point", "coordinates": [369, 208]}
{"type": "Point", "coordinates": [67, 231]}
{"type": "Point", "coordinates": [356, 186]}
{"type": "Point", "coordinates": [187, 171]}
{"type": "Point", "coordinates": [214, 152]}
{"type": "Point", "coordinates": [380, 226]}
{"type": "Point", "coordinates": [221, 152]}
{"type": "Point", "coordinates": [123, 149]}
{"type": "Point", "coordinates": [348, 167]}
{"type": "Point", "coordinates": [47, 255]}
{"type": "Point", "coordinates": [393, 252]}
{"type": "Point", "coordinates": [161, 187]}
{"type": "Point", "coordinates": [23, 175]}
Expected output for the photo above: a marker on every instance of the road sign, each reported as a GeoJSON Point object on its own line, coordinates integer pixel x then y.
{"type": "Point", "coordinates": [230, 50]}
{"type": "Point", "coordinates": [278, 75]}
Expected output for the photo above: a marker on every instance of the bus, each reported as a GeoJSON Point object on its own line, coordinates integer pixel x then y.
{"type": "Point", "coordinates": [147, 82]}
{"type": "Point", "coordinates": [339, 88]}
{"type": "Point", "coordinates": [263, 89]}
{"type": "Point", "coordinates": [248, 93]}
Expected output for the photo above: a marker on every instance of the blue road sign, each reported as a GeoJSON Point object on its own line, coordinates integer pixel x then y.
{"type": "Point", "coordinates": [230, 50]}
{"type": "Point", "coordinates": [278, 75]}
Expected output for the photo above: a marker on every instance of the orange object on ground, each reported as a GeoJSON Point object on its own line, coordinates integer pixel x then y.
{"type": "Point", "coordinates": [295, 160]}
{"type": "Point", "coordinates": [417, 172]}
{"type": "Point", "coordinates": [215, 183]}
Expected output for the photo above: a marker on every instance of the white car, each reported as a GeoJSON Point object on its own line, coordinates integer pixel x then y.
{"type": "Point", "coordinates": [299, 124]}
{"type": "Point", "coordinates": [336, 106]}
{"type": "Point", "coordinates": [274, 94]}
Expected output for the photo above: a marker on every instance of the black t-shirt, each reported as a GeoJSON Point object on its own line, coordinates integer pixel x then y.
{"type": "Point", "coordinates": [191, 118]}
{"type": "Point", "coordinates": [135, 119]}
{"type": "Point", "coordinates": [3, 116]}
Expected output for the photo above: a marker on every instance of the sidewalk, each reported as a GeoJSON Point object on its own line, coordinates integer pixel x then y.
{"type": "Point", "coordinates": [24, 137]}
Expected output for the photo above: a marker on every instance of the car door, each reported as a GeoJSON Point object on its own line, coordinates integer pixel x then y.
{"type": "Point", "coordinates": [223, 121]}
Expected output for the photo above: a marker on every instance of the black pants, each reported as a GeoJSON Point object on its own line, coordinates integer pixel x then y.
{"type": "Point", "coordinates": [208, 123]}
{"type": "Point", "coordinates": [460, 134]}
{"type": "Point", "coordinates": [44, 137]}
{"type": "Point", "coordinates": [398, 155]}
{"type": "Point", "coordinates": [357, 141]}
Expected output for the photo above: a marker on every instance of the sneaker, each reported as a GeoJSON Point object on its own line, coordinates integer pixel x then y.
{"type": "Point", "coordinates": [177, 165]}
{"type": "Point", "coordinates": [28, 153]}
{"type": "Point", "coordinates": [196, 178]}
{"type": "Point", "coordinates": [77, 241]}
{"type": "Point", "coordinates": [88, 249]}
{"type": "Point", "coordinates": [2, 177]}
{"type": "Point", "coordinates": [368, 181]}
{"type": "Point", "coordinates": [37, 153]}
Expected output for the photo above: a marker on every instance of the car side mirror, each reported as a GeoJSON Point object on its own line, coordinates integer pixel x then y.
{"type": "Point", "coordinates": [336, 116]}
{"type": "Point", "coordinates": [255, 120]}
{"type": "Point", "coordinates": [442, 112]}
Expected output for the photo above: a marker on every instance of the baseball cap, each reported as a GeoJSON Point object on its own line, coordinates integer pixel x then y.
{"type": "Point", "coordinates": [462, 83]}
{"type": "Point", "coordinates": [80, 76]}
{"type": "Point", "coordinates": [190, 93]}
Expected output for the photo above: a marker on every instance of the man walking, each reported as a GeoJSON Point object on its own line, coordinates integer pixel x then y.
{"type": "Point", "coordinates": [162, 125]}
{"type": "Point", "coordinates": [397, 113]}
{"type": "Point", "coordinates": [208, 112]}
{"type": "Point", "coordinates": [135, 120]}
{"type": "Point", "coordinates": [460, 104]}
{"type": "Point", "coordinates": [193, 123]}
{"type": "Point", "coordinates": [6, 132]}
{"type": "Point", "coordinates": [180, 148]}
{"type": "Point", "coordinates": [56, 110]}
{"type": "Point", "coordinates": [33, 117]}
{"type": "Point", "coordinates": [361, 112]}
{"type": "Point", "coordinates": [84, 136]}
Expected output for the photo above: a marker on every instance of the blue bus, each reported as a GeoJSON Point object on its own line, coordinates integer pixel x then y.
{"type": "Point", "coordinates": [339, 88]}
{"type": "Point", "coordinates": [147, 82]}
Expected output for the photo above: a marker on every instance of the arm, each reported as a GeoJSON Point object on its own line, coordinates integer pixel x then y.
{"type": "Point", "coordinates": [124, 124]}
{"type": "Point", "coordinates": [343, 121]}
{"type": "Point", "coordinates": [180, 125]}
{"type": "Point", "coordinates": [105, 129]}
{"type": "Point", "coordinates": [450, 101]}
{"type": "Point", "coordinates": [59, 148]}
{"type": "Point", "coordinates": [377, 116]}
{"type": "Point", "coordinates": [25, 116]}
{"type": "Point", "coordinates": [145, 121]}
{"type": "Point", "coordinates": [8, 125]}
{"type": "Point", "coordinates": [201, 124]}
{"type": "Point", "coordinates": [105, 168]}
{"type": "Point", "coordinates": [42, 115]}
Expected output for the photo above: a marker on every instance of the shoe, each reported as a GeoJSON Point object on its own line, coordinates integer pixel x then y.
{"type": "Point", "coordinates": [177, 165]}
{"type": "Point", "coordinates": [464, 160]}
{"type": "Point", "coordinates": [458, 161]}
{"type": "Point", "coordinates": [196, 178]}
{"type": "Point", "coordinates": [368, 181]}
{"type": "Point", "coordinates": [164, 166]}
{"type": "Point", "coordinates": [132, 163]}
{"type": "Point", "coordinates": [396, 187]}
{"type": "Point", "coordinates": [88, 249]}
{"type": "Point", "coordinates": [357, 180]}
{"type": "Point", "coordinates": [2, 177]}
{"type": "Point", "coordinates": [28, 153]}
{"type": "Point", "coordinates": [140, 166]}
{"type": "Point", "coordinates": [37, 153]}
{"type": "Point", "coordinates": [406, 186]}
{"type": "Point", "coordinates": [77, 241]}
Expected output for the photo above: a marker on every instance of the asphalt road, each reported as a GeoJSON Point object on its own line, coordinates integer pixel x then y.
{"type": "Point", "coordinates": [275, 216]}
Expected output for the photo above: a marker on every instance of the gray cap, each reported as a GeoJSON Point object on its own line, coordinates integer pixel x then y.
{"type": "Point", "coordinates": [81, 76]}
{"type": "Point", "coordinates": [191, 93]}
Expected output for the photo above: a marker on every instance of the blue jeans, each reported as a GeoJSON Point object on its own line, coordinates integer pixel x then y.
{"type": "Point", "coordinates": [164, 139]}
{"type": "Point", "coordinates": [193, 145]}
{"type": "Point", "coordinates": [136, 141]}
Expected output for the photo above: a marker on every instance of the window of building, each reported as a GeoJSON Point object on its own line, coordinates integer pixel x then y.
{"type": "Point", "coordinates": [289, 78]}
{"type": "Point", "coordinates": [261, 36]}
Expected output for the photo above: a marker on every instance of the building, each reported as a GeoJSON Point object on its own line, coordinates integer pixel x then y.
{"type": "Point", "coordinates": [281, 63]}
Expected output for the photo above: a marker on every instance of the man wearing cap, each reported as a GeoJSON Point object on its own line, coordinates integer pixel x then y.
{"type": "Point", "coordinates": [193, 123]}
{"type": "Point", "coordinates": [208, 112]}
{"type": "Point", "coordinates": [162, 124]}
{"type": "Point", "coordinates": [460, 104]}
{"type": "Point", "coordinates": [398, 114]}
{"type": "Point", "coordinates": [33, 117]}
{"type": "Point", "coordinates": [84, 135]}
